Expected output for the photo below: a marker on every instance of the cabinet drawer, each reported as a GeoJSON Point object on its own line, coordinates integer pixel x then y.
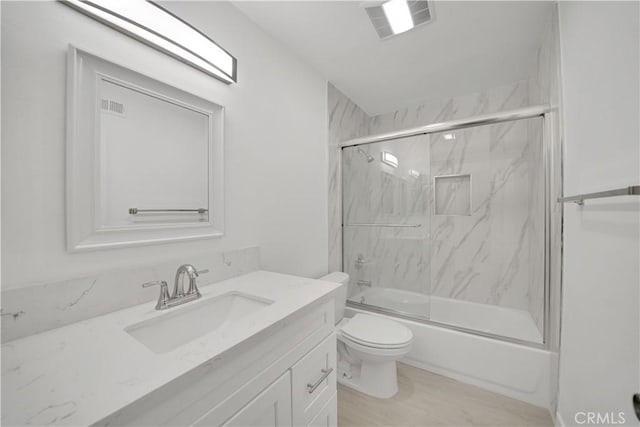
{"type": "Point", "coordinates": [328, 416]}
{"type": "Point", "coordinates": [313, 381]}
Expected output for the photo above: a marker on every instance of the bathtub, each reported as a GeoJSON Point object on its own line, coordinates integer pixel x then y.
{"type": "Point", "coordinates": [394, 299]}
{"type": "Point", "coordinates": [515, 370]}
{"type": "Point", "coordinates": [489, 319]}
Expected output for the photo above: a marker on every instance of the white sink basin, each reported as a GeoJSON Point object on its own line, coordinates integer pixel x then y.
{"type": "Point", "coordinates": [194, 319]}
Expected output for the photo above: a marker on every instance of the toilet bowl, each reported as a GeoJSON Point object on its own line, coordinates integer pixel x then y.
{"type": "Point", "coordinates": [368, 347]}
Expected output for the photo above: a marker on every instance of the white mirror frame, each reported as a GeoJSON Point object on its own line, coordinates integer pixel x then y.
{"type": "Point", "coordinates": [84, 232]}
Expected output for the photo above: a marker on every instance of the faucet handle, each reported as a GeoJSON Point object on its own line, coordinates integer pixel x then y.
{"type": "Point", "coordinates": [154, 283]}
{"type": "Point", "coordinates": [163, 299]}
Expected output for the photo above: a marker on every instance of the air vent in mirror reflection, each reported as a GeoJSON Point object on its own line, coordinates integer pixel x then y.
{"type": "Point", "coordinates": [113, 107]}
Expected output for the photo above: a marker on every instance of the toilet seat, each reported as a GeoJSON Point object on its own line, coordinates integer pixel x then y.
{"type": "Point", "coordinates": [376, 332]}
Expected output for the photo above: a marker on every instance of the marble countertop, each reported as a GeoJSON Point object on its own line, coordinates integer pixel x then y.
{"type": "Point", "coordinates": [86, 371]}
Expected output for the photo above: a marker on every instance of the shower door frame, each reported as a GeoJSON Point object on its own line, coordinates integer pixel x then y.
{"type": "Point", "coordinates": [548, 141]}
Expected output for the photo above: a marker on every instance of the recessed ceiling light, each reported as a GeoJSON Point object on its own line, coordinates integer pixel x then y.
{"type": "Point", "coordinates": [153, 25]}
{"type": "Point", "coordinates": [393, 17]}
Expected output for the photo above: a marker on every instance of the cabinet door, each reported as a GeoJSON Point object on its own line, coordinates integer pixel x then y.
{"type": "Point", "coordinates": [272, 407]}
{"type": "Point", "coordinates": [328, 416]}
{"type": "Point", "coordinates": [313, 381]}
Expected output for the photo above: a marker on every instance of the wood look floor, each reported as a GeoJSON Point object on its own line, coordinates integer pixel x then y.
{"type": "Point", "coordinates": [427, 399]}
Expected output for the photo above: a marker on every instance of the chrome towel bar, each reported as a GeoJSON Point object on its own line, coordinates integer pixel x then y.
{"type": "Point", "coordinates": [634, 190]}
{"type": "Point", "coordinates": [136, 211]}
{"type": "Point", "coordinates": [363, 224]}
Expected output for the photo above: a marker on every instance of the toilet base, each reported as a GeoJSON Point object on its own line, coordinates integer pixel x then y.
{"type": "Point", "coordinates": [374, 379]}
{"type": "Point", "coordinates": [367, 369]}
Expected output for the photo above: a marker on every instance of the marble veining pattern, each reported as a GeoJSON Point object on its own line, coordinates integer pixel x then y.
{"type": "Point", "coordinates": [377, 193]}
{"type": "Point", "coordinates": [88, 372]}
{"type": "Point", "coordinates": [33, 309]}
{"type": "Point", "coordinates": [346, 121]}
{"type": "Point", "coordinates": [483, 257]}
{"type": "Point", "coordinates": [495, 255]}
{"type": "Point", "coordinates": [500, 98]}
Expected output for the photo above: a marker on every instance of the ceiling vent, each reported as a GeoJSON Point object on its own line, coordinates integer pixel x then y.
{"type": "Point", "coordinates": [394, 17]}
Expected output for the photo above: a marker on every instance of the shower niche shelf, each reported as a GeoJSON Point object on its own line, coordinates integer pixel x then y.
{"type": "Point", "coordinates": [452, 194]}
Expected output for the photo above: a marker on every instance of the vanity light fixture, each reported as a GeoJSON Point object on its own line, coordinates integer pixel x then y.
{"type": "Point", "coordinates": [155, 26]}
{"type": "Point", "coordinates": [392, 17]}
{"type": "Point", "coordinates": [449, 136]}
{"type": "Point", "coordinates": [389, 159]}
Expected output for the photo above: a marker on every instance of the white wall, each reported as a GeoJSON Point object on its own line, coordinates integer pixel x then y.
{"type": "Point", "coordinates": [275, 159]}
{"type": "Point", "coordinates": [599, 357]}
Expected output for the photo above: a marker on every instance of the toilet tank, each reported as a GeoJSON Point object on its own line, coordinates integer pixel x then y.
{"type": "Point", "coordinates": [341, 292]}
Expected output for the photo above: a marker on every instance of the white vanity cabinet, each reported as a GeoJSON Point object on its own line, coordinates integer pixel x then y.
{"type": "Point", "coordinates": [328, 415]}
{"type": "Point", "coordinates": [285, 376]}
{"type": "Point", "coordinates": [272, 407]}
{"type": "Point", "coordinates": [313, 381]}
{"type": "Point", "coordinates": [304, 394]}
{"type": "Point", "coordinates": [257, 349]}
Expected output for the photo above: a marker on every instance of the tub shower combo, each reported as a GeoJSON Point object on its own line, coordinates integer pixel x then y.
{"type": "Point", "coordinates": [448, 225]}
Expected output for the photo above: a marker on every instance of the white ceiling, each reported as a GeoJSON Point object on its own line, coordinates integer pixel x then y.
{"type": "Point", "coordinates": [468, 47]}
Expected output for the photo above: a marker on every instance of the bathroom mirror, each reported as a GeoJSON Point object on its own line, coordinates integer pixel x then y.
{"type": "Point", "coordinates": [144, 158]}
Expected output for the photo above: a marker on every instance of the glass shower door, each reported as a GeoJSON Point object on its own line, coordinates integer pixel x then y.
{"type": "Point", "coordinates": [487, 229]}
{"type": "Point", "coordinates": [450, 228]}
{"type": "Point", "coordinates": [386, 224]}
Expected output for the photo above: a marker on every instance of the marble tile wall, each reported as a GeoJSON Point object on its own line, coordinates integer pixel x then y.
{"type": "Point", "coordinates": [41, 307]}
{"type": "Point", "coordinates": [485, 257]}
{"type": "Point", "coordinates": [512, 287]}
{"type": "Point", "coordinates": [345, 121]}
{"type": "Point", "coordinates": [378, 193]}
{"type": "Point", "coordinates": [506, 97]}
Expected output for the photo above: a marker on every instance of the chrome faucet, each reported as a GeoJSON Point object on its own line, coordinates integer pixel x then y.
{"type": "Point", "coordinates": [192, 273]}
{"type": "Point", "coordinates": [179, 295]}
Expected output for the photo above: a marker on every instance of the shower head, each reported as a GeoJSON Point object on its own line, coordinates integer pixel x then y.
{"type": "Point", "coordinates": [367, 155]}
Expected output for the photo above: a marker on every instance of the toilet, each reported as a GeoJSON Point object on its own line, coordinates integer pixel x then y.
{"type": "Point", "coordinates": [368, 347]}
